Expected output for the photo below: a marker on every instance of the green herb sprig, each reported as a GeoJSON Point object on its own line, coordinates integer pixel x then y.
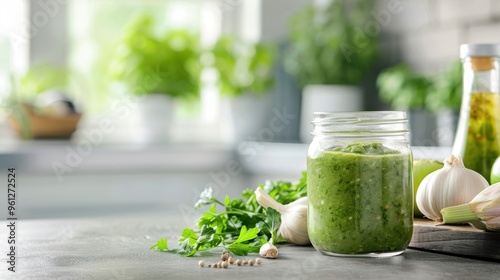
{"type": "Point", "coordinates": [242, 227]}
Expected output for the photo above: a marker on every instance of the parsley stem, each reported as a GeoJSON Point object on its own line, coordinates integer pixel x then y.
{"type": "Point", "coordinates": [217, 201]}
{"type": "Point", "coordinates": [240, 212]}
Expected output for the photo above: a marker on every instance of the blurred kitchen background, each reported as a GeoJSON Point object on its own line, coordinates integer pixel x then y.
{"type": "Point", "coordinates": [128, 106]}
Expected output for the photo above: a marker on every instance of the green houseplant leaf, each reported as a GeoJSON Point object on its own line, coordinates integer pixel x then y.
{"type": "Point", "coordinates": [329, 45]}
{"type": "Point", "coordinates": [446, 90]}
{"type": "Point", "coordinates": [150, 63]}
{"type": "Point", "coordinates": [242, 67]}
{"type": "Point", "coordinates": [41, 78]}
{"type": "Point", "coordinates": [403, 89]}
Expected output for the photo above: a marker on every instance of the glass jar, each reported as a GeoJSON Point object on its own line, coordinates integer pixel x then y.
{"type": "Point", "coordinates": [477, 138]}
{"type": "Point", "coordinates": [360, 184]}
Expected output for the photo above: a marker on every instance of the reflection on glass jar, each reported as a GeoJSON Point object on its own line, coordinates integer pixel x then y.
{"type": "Point", "coordinates": [360, 185]}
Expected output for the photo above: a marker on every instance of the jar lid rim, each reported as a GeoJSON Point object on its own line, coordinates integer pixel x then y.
{"type": "Point", "coordinates": [487, 50]}
{"type": "Point", "coordinates": [365, 123]}
{"type": "Point", "coordinates": [319, 117]}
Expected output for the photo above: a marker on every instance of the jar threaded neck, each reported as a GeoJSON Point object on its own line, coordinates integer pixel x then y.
{"type": "Point", "coordinates": [361, 124]}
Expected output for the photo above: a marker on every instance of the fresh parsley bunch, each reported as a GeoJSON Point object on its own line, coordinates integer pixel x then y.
{"type": "Point", "coordinates": [242, 226]}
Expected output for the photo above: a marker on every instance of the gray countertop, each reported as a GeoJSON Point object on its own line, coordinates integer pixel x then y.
{"type": "Point", "coordinates": [118, 248]}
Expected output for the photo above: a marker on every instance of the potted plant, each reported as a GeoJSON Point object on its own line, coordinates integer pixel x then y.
{"type": "Point", "coordinates": [446, 91]}
{"type": "Point", "coordinates": [329, 54]}
{"type": "Point", "coordinates": [244, 77]}
{"type": "Point", "coordinates": [41, 105]}
{"type": "Point", "coordinates": [158, 70]}
{"type": "Point", "coordinates": [432, 103]}
{"type": "Point", "coordinates": [403, 89]}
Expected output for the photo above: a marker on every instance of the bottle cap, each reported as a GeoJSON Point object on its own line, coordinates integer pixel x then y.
{"type": "Point", "coordinates": [488, 50]}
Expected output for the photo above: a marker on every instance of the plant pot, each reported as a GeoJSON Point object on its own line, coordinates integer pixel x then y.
{"type": "Point", "coordinates": [139, 120]}
{"type": "Point", "coordinates": [327, 98]}
{"type": "Point", "coordinates": [422, 128]}
{"type": "Point", "coordinates": [154, 113]}
{"type": "Point", "coordinates": [446, 126]}
{"type": "Point", "coordinates": [45, 126]}
{"type": "Point", "coordinates": [245, 115]}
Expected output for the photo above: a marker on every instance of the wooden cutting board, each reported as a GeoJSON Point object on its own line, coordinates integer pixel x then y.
{"type": "Point", "coordinates": [458, 240]}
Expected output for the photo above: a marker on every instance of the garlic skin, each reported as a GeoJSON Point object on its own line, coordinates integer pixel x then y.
{"type": "Point", "coordinates": [493, 224]}
{"type": "Point", "coordinates": [451, 185]}
{"type": "Point", "coordinates": [486, 205]}
{"type": "Point", "coordinates": [294, 229]}
{"type": "Point", "coordinates": [483, 212]}
{"type": "Point", "coordinates": [269, 251]}
{"type": "Point", "coordinates": [293, 217]}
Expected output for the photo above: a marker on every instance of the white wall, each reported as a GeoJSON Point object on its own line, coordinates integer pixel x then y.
{"type": "Point", "coordinates": [428, 33]}
{"type": "Point", "coordinates": [275, 14]}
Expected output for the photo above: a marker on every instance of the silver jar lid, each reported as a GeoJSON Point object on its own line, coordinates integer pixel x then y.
{"type": "Point", "coordinates": [479, 50]}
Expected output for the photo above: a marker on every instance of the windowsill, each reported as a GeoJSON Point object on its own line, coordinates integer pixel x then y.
{"type": "Point", "coordinates": [285, 158]}
{"type": "Point", "coordinates": [44, 155]}
{"type": "Point", "coordinates": [261, 158]}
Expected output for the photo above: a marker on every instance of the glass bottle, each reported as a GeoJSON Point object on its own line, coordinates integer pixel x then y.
{"type": "Point", "coordinates": [477, 138]}
{"type": "Point", "coordinates": [360, 184]}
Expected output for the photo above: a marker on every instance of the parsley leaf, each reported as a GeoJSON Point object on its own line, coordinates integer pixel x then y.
{"type": "Point", "coordinates": [242, 249]}
{"type": "Point", "coordinates": [246, 235]}
{"type": "Point", "coordinates": [186, 249]}
{"type": "Point", "coordinates": [273, 220]}
{"type": "Point", "coordinates": [161, 245]}
{"type": "Point", "coordinates": [206, 198]}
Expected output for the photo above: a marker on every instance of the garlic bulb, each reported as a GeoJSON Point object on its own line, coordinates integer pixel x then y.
{"type": "Point", "coordinates": [483, 212]}
{"type": "Point", "coordinates": [293, 217]}
{"type": "Point", "coordinates": [451, 185]}
{"type": "Point", "coordinates": [269, 251]}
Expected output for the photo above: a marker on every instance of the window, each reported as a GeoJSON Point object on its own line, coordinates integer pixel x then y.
{"type": "Point", "coordinates": [14, 38]}
{"type": "Point", "coordinates": [82, 35]}
{"type": "Point", "coordinates": [93, 41]}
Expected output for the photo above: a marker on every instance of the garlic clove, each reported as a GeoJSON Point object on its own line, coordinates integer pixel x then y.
{"type": "Point", "coordinates": [269, 251]}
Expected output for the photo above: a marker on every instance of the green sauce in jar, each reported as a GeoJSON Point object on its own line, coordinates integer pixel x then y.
{"type": "Point", "coordinates": [360, 200]}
